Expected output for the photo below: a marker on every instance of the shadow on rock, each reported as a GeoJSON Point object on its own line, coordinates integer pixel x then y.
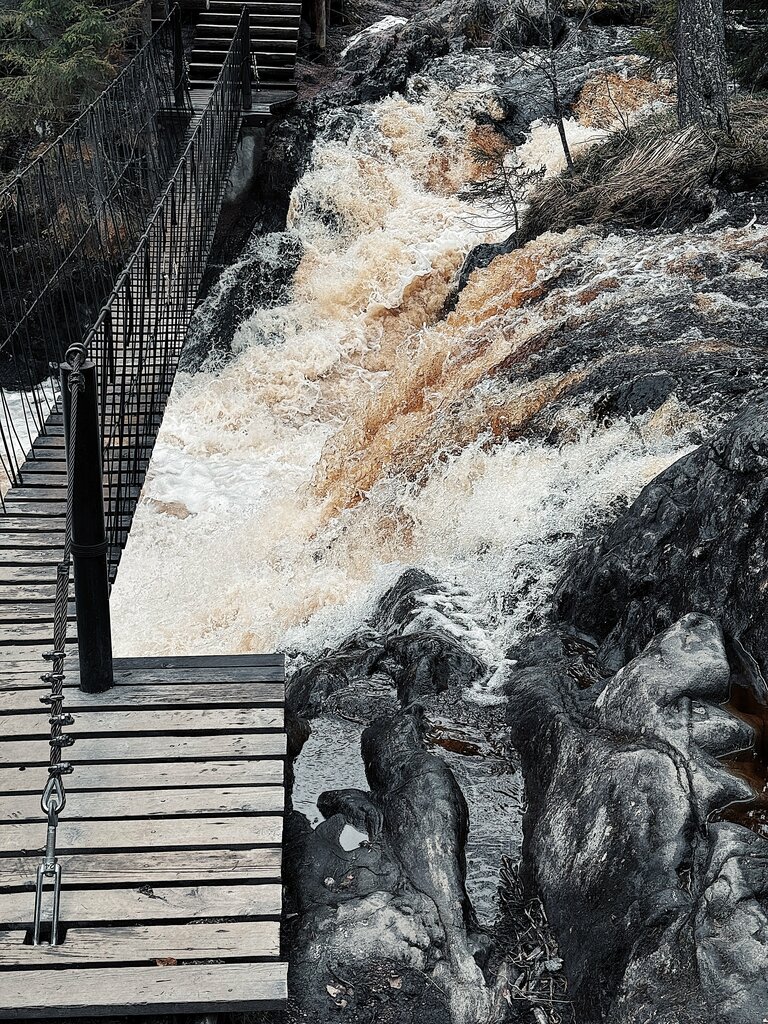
{"type": "Point", "coordinates": [660, 916]}
{"type": "Point", "coordinates": [385, 930]}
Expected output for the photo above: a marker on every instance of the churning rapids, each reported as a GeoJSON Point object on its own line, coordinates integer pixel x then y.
{"type": "Point", "coordinates": [367, 420]}
{"type": "Point", "coordinates": [355, 432]}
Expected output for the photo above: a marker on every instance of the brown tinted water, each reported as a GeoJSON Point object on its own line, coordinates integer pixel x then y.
{"type": "Point", "coordinates": [751, 764]}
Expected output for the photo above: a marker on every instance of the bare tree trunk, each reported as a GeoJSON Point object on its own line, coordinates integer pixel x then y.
{"type": "Point", "coordinates": [702, 69]}
{"type": "Point", "coordinates": [320, 24]}
{"type": "Point", "coordinates": [554, 82]}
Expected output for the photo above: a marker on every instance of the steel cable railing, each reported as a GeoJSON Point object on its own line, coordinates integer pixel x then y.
{"type": "Point", "coordinates": [71, 218]}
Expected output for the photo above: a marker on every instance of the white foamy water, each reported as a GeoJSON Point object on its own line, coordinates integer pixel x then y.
{"type": "Point", "coordinates": [19, 415]}
{"type": "Point", "coordinates": [289, 488]}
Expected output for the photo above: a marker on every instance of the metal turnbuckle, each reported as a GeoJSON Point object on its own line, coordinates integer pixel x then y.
{"type": "Point", "coordinates": [53, 802]}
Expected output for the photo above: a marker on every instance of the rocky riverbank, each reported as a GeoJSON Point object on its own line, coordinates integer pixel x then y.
{"type": "Point", "coordinates": [492, 471]}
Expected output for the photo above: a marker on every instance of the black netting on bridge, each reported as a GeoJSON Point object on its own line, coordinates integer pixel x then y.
{"type": "Point", "coordinates": [69, 222]}
{"type": "Point", "coordinates": [137, 339]}
{"type": "Point", "coordinates": [122, 277]}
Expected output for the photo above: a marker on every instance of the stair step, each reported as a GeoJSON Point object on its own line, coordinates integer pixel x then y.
{"type": "Point", "coordinates": [278, 33]}
{"type": "Point", "coordinates": [224, 18]}
{"type": "Point", "coordinates": [274, 60]}
{"type": "Point", "coordinates": [232, 8]}
{"type": "Point", "coordinates": [222, 43]}
{"type": "Point", "coordinates": [285, 21]}
{"type": "Point", "coordinates": [269, 78]}
{"type": "Point", "coordinates": [208, 56]}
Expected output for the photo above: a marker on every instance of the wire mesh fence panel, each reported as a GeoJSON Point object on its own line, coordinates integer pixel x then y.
{"type": "Point", "coordinates": [138, 336]}
{"type": "Point", "coordinates": [70, 220]}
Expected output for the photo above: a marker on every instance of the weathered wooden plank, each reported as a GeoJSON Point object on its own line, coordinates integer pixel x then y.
{"type": "Point", "coordinates": [28, 574]}
{"type": "Point", "coordinates": [201, 661]}
{"type": "Point", "coordinates": [231, 987]}
{"type": "Point", "coordinates": [244, 695]}
{"type": "Point", "coordinates": [145, 943]}
{"type": "Point", "coordinates": [45, 466]}
{"type": "Point", "coordinates": [34, 632]}
{"type": "Point", "coordinates": [24, 663]}
{"type": "Point", "coordinates": [148, 903]}
{"type": "Point", "coordinates": [27, 659]}
{"type": "Point", "coordinates": [148, 775]}
{"type": "Point", "coordinates": [30, 527]}
{"type": "Point", "coordinates": [149, 748]}
{"type": "Point", "coordinates": [40, 487]}
{"type": "Point", "coordinates": [152, 803]}
{"type": "Point", "coordinates": [39, 510]}
{"type": "Point", "coordinates": [150, 867]}
{"type": "Point", "coordinates": [149, 803]}
{"type": "Point", "coordinates": [126, 675]}
{"type": "Point", "coordinates": [32, 611]}
{"type": "Point", "coordinates": [163, 721]}
{"type": "Point", "coordinates": [16, 541]}
{"type": "Point", "coordinates": [26, 556]}
{"type": "Point", "coordinates": [37, 591]}
{"type": "Point", "coordinates": [187, 833]}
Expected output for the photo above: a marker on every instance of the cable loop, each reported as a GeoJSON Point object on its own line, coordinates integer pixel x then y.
{"type": "Point", "coordinates": [54, 799]}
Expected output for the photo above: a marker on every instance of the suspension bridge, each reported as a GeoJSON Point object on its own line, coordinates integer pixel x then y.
{"type": "Point", "coordinates": [142, 799]}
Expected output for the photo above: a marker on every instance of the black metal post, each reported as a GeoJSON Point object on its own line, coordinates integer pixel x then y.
{"type": "Point", "coordinates": [89, 539]}
{"type": "Point", "coordinates": [178, 59]}
{"type": "Point", "coordinates": [246, 65]}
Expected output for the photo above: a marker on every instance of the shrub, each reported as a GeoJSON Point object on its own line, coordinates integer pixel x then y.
{"type": "Point", "coordinates": [654, 175]}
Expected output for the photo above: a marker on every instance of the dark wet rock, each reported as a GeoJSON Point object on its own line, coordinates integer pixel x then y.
{"type": "Point", "coordinates": [356, 807]}
{"type": "Point", "coordinates": [429, 663]}
{"type": "Point", "coordinates": [288, 148]}
{"type": "Point", "coordinates": [381, 63]}
{"type": "Point", "coordinates": [528, 25]}
{"type": "Point", "coordinates": [641, 892]}
{"type": "Point", "coordinates": [739, 208]}
{"type": "Point", "coordinates": [260, 278]}
{"type": "Point", "coordinates": [482, 256]}
{"type": "Point", "coordinates": [638, 394]}
{"type": "Point", "coordinates": [387, 910]}
{"type": "Point", "coordinates": [695, 539]}
{"type": "Point", "coordinates": [415, 644]}
{"type": "Point", "coordinates": [354, 660]}
{"type": "Point", "coordinates": [403, 601]}
{"type": "Point", "coordinates": [423, 807]}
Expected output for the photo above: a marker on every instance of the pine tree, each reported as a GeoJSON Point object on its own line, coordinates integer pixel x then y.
{"type": "Point", "coordinates": [702, 65]}
{"type": "Point", "coordinates": [56, 55]}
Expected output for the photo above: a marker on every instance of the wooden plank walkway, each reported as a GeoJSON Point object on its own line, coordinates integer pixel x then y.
{"type": "Point", "coordinates": [170, 843]}
{"type": "Point", "coordinates": [171, 840]}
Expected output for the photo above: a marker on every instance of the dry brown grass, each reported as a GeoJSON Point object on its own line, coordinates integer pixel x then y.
{"type": "Point", "coordinates": [654, 175]}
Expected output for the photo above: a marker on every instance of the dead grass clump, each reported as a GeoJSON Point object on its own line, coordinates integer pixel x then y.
{"type": "Point", "coordinates": [654, 175]}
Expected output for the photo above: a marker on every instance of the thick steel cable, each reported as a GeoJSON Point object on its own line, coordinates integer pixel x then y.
{"type": "Point", "coordinates": [54, 796]}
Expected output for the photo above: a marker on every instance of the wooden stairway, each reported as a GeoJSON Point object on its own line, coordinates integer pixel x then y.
{"type": "Point", "coordinates": [274, 41]}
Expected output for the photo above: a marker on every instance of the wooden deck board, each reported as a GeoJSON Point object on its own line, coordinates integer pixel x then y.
{"type": "Point", "coordinates": [142, 868]}
{"type": "Point", "coordinates": [150, 903]}
{"type": "Point", "coordinates": [145, 943]}
{"type": "Point", "coordinates": [170, 843]}
{"type": "Point", "coordinates": [232, 987]}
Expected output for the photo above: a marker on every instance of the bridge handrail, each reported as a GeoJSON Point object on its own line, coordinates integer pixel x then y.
{"type": "Point", "coordinates": [137, 337]}
{"type": "Point", "coordinates": [70, 219]}
{"type": "Point", "coordinates": [218, 85]}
